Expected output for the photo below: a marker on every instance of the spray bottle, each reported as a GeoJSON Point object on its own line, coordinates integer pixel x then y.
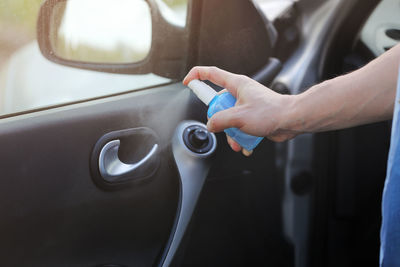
{"type": "Point", "coordinates": [220, 102]}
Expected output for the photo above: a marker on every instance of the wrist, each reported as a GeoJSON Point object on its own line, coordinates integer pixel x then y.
{"type": "Point", "coordinates": [287, 121]}
{"type": "Point", "coordinates": [293, 118]}
{"type": "Point", "coordinates": [308, 112]}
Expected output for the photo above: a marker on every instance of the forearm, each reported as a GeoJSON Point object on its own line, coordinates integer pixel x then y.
{"type": "Point", "coordinates": [363, 96]}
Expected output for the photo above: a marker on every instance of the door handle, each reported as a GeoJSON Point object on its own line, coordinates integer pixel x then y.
{"type": "Point", "coordinates": [111, 167]}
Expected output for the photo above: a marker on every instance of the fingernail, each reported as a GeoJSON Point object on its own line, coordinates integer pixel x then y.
{"type": "Point", "coordinates": [236, 147]}
{"type": "Point", "coordinates": [247, 153]}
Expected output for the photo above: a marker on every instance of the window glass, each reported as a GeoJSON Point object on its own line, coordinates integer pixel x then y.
{"type": "Point", "coordinates": [274, 8]}
{"type": "Point", "coordinates": [29, 81]}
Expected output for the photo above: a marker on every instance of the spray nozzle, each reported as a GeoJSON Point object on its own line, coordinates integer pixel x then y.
{"type": "Point", "coordinates": [202, 90]}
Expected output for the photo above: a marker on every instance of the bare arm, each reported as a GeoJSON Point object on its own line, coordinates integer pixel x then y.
{"type": "Point", "coordinates": [363, 96]}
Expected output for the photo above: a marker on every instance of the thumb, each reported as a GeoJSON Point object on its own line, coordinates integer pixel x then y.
{"type": "Point", "coordinates": [228, 118]}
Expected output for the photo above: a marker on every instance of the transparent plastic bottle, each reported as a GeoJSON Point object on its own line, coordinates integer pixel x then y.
{"type": "Point", "coordinates": [220, 102]}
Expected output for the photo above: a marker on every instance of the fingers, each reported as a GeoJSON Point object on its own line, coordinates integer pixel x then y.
{"type": "Point", "coordinates": [236, 147]}
{"type": "Point", "coordinates": [215, 75]}
{"type": "Point", "coordinates": [246, 152]}
{"type": "Point", "coordinates": [228, 118]}
{"type": "Point", "coordinates": [222, 91]}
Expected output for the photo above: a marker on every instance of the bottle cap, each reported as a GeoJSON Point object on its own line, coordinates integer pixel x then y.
{"type": "Point", "coordinates": [202, 90]}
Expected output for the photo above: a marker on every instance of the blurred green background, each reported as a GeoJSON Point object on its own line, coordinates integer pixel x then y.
{"type": "Point", "coordinates": [17, 25]}
{"type": "Point", "coordinates": [19, 13]}
{"type": "Point", "coordinates": [173, 3]}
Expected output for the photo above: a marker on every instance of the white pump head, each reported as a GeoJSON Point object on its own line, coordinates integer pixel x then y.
{"type": "Point", "coordinates": [203, 91]}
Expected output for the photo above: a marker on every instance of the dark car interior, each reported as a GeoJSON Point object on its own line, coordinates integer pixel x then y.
{"type": "Point", "coordinates": [338, 175]}
{"type": "Point", "coordinates": [311, 201]}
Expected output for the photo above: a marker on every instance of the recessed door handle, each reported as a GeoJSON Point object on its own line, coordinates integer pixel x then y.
{"type": "Point", "coordinates": [111, 167]}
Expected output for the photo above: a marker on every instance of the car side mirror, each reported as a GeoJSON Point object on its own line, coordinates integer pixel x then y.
{"type": "Point", "coordinates": [145, 36]}
{"type": "Point", "coordinates": [117, 36]}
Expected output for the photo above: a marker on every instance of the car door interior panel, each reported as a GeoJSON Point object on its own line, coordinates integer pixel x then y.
{"type": "Point", "coordinates": [53, 209]}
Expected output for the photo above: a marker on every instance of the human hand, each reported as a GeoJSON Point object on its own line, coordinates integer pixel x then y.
{"type": "Point", "coordinates": [258, 110]}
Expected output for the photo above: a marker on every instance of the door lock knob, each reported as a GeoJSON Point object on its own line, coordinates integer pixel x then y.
{"type": "Point", "coordinates": [198, 139]}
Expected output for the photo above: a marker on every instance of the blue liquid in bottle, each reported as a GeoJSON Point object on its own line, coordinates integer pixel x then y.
{"type": "Point", "coordinates": [224, 101]}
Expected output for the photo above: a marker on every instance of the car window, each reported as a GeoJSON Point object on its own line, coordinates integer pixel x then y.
{"type": "Point", "coordinates": [274, 8]}
{"type": "Point", "coordinates": [29, 81]}
{"type": "Point", "coordinates": [381, 31]}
